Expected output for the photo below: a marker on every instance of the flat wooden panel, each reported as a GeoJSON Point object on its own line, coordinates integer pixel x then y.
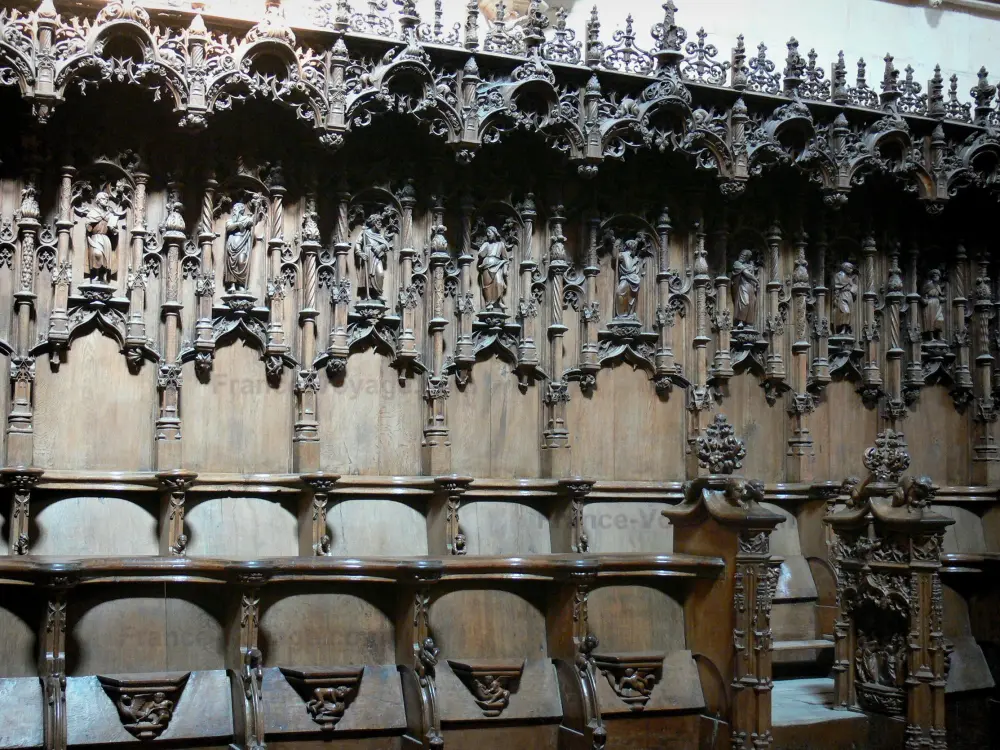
{"type": "Point", "coordinates": [851, 429]}
{"type": "Point", "coordinates": [628, 527]}
{"type": "Point", "coordinates": [636, 618]}
{"type": "Point", "coordinates": [624, 430]}
{"type": "Point", "coordinates": [370, 423]}
{"type": "Point", "coordinates": [237, 422]}
{"type": "Point", "coordinates": [760, 425]}
{"type": "Point", "coordinates": [504, 528]}
{"type": "Point", "coordinates": [95, 526]}
{"type": "Point", "coordinates": [785, 537]}
{"type": "Point", "coordinates": [313, 629]}
{"type": "Point", "coordinates": [93, 413]}
{"type": "Point", "coordinates": [543, 737]}
{"type": "Point", "coordinates": [487, 623]}
{"type": "Point", "coordinates": [534, 697]}
{"type": "Point", "coordinates": [496, 429]}
{"type": "Point", "coordinates": [241, 528]}
{"type": "Point", "coordinates": [931, 430]}
{"type": "Point", "coordinates": [376, 527]}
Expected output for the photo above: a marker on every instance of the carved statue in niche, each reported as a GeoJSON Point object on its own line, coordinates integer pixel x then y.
{"type": "Point", "coordinates": [845, 294]}
{"type": "Point", "coordinates": [933, 313]}
{"type": "Point", "coordinates": [629, 261]}
{"type": "Point", "coordinates": [370, 254]}
{"type": "Point", "coordinates": [494, 265]}
{"type": "Point", "coordinates": [746, 289]}
{"type": "Point", "coordinates": [102, 219]}
{"type": "Point", "coordinates": [239, 243]}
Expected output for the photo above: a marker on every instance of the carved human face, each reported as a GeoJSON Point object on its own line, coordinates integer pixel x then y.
{"type": "Point", "coordinates": [746, 256]}
{"type": "Point", "coordinates": [847, 268]}
{"type": "Point", "coordinates": [103, 200]}
{"type": "Point", "coordinates": [935, 275]}
{"type": "Point", "coordinates": [375, 221]}
{"type": "Point", "coordinates": [492, 234]}
{"type": "Point", "coordinates": [239, 209]}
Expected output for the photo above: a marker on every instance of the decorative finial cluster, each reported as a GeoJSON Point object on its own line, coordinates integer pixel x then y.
{"type": "Point", "coordinates": [888, 458]}
{"type": "Point", "coordinates": [720, 451]}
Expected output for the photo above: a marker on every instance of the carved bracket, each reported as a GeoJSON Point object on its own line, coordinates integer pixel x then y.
{"type": "Point", "coordinates": [145, 702]}
{"type": "Point", "coordinates": [327, 691]}
{"type": "Point", "coordinates": [490, 681]}
{"type": "Point", "coordinates": [631, 675]}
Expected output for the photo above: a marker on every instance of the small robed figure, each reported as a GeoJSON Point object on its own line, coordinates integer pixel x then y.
{"type": "Point", "coordinates": [629, 278]}
{"type": "Point", "coordinates": [492, 266]}
{"type": "Point", "coordinates": [370, 253]}
{"type": "Point", "coordinates": [239, 242]}
{"type": "Point", "coordinates": [933, 314]}
{"type": "Point", "coordinates": [845, 294]}
{"type": "Point", "coordinates": [746, 287]}
{"type": "Point", "coordinates": [101, 221]}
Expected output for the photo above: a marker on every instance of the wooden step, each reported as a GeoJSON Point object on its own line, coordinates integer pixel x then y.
{"type": "Point", "coordinates": [797, 651]}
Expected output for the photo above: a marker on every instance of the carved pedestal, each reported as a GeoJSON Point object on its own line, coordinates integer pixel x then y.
{"type": "Point", "coordinates": [721, 515]}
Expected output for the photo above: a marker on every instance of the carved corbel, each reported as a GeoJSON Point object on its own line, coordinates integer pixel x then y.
{"type": "Point", "coordinates": [490, 681]}
{"type": "Point", "coordinates": [20, 481]}
{"type": "Point", "coordinates": [443, 519]}
{"type": "Point", "coordinates": [173, 494]}
{"type": "Point", "coordinates": [327, 691]}
{"type": "Point", "coordinates": [569, 517]}
{"type": "Point", "coordinates": [314, 538]}
{"type": "Point", "coordinates": [631, 675]}
{"type": "Point", "coordinates": [145, 702]}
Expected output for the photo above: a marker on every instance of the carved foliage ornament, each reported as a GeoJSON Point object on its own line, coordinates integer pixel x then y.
{"type": "Point", "coordinates": [719, 450]}
{"type": "Point", "coordinates": [888, 458]}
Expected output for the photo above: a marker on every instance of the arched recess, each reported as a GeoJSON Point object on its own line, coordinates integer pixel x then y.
{"type": "Point", "coordinates": [239, 403]}
{"type": "Point", "coordinates": [495, 423]}
{"type": "Point", "coordinates": [241, 528]}
{"type": "Point", "coordinates": [303, 627]}
{"type": "Point", "coordinates": [74, 525]}
{"type": "Point", "coordinates": [624, 430]}
{"type": "Point", "coordinates": [504, 527]}
{"type": "Point", "coordinates": [93, 414]}
{"type": "Point", "coordinates": [487, 623]}
{"type": "Point", "coordinates": [144, 628]}
{"type": "Point", "coordinates": [376, 526]}
{"type": "Point", "coordinates": [370, 422]}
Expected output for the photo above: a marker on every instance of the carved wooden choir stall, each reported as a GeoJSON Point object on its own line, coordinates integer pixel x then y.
{"type": "Point", "coordinates": [377, 383]}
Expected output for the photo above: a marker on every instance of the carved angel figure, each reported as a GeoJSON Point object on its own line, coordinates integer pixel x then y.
{"type": "Point", "coordinates": [102, 219]}
{"type": "Point", "coordinates": [845, 293]}
{"type": "Point", "coordinates": [629, 270]}
{"type": "Point", "coordinates": [370, 253]}
{"type": "Point", "coordinates": [239, 242]}
{"type": "Point", "coordinates": [493, 269]}
{"type": "Point", "coordinates": [746, 287]}
{"type": "Point", "coordinates": [933, 313]}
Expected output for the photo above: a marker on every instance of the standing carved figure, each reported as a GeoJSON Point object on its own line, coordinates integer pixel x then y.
{"type": "Point", "coordinates": [629, 277]}
{"type": "Point", "coordinates": [746, 287]}
{"type": "Point", "coordinates": [370, 253]}
{"type": "Point", "coordinates": [933, 313]}
{"type": "Point", "coordinates": [101, 220]}
{"type": "Point", "coordinates": [493, 265]}
{"type": "Point", "coordinates": [845, 293]}
{"type": "Point", "coordinates": [239, 242]}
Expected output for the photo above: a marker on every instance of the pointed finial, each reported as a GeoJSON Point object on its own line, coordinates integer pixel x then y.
{"type": "Point", "coordinates": [46, 9]}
